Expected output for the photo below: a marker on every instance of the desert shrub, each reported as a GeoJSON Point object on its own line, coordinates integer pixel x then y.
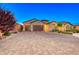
{"type": "Point", "coordinates": [67, 33]}
{"type": "Point", "coordinates": [54, 30]}
{"type": "Point", "coordinates": [73, 31]}
{"type": "Point", "coordinates": [7, 34]}
{"type": "Point", "coordinates": [77, 31]}
{"type": "Point", "coordinates": [21, 29]}
{"type": "Point", "coordinates": [59, 25]}
{"type": "Point", "coordinates": [59, 31]}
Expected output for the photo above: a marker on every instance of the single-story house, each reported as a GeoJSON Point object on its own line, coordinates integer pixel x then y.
{"type": "Point", "coordinates": [36, 25]}
{"type": "Point", "coordinates": [52, 25]}
{"type": "Point", "coordinates": [64, 26]}
{"type": "Point", "coordinates": [76, 27]}
{"type": "Point", "coordinates": [44, 25]}
{"type": "Point", "coordinates": [18, 28]}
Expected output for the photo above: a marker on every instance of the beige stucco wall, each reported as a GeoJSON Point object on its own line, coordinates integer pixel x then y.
{"type": "Point", "coordinates": [26, 26]}
{"type": "Point", "coordinates": [60, 29]}
{"type": "Point", "coordinates": [52, 26]}
{"type": "Point", "coordinates": [65, 27]}
{"type": "Point", "coordinates": [17, 28]}
{"type": "Point", "coordinates": [77, 27]}
{"type": "Point", "coordinates": [46, 28]}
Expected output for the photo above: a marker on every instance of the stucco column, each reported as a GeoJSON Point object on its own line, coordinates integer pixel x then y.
{"type": "Point", "coordinates": [31, 27]}
{"type": "Point", "coordinates": [1, 35]}
{"type": "Point", "coordinates": [46, 27]}
{"type": "Point", "coordinates": [23, 28]}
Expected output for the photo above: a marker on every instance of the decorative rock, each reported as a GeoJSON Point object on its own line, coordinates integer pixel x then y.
{"type": "Point", "coordinates": [76, 34]}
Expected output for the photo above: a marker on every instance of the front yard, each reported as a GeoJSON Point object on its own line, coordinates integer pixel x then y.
{"type": "Point", "coordinates": [39, 43]}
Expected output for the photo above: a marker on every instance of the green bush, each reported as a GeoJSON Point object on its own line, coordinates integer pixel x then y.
{"type": "Point", "coordinates": [59, 24]}
{"type": "Point", "coordinates": [73, 31]}
{"type": "Point", "coordinates": [77, 31]}
{"type": "Point", "coordinates": [21, 29]}
{"type": "Point", "coordinates": [67, 32]}
{"type": "Point", "coordinates": [7, 34]}
{"type": "Point", "coordinates": [59, 31]}
{"type": "Point", "coordinates": [54, 30]}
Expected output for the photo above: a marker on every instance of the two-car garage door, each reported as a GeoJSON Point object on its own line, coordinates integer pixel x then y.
{"type": "Point", "coordinates": [37, 27]}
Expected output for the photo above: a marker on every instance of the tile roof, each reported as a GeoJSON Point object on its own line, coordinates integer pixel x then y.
{"type": "Point", "coordinates": [34, 20]}
{"type": "Point", "coordinates": [66, 22]}
{"type": "Point", "coordinates": [30, 21]}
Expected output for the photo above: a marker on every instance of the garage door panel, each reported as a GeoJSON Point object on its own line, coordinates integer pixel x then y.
{"type": "Point", "coordinates": [37, 27]}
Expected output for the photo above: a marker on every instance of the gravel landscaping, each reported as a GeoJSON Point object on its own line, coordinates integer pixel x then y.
{"type": "Point", "coordinates": [39, 43]}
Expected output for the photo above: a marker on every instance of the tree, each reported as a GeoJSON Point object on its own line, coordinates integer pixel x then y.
{"type": "Point", "coordinates": [59, 24]}
{"type": "Point", "coordinates": [7, 20]}
{"type": "Point", "coordinates": [60, 27]}
{"type": "Point", "coordinates": [21, 29]}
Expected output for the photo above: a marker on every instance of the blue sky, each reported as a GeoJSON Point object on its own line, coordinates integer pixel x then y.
{"type": "Point", "coordinates": [50, 11]}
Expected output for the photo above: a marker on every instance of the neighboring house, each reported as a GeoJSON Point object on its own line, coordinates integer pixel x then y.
{"type": "Point", "coordinates": [36, 25]}
{"type": "Point", "coordinates": [76, 27]}
{"type": "Point", "coordinates": [44, 25]}
{"type": "Point", "coordinates": [52, 25]}
{"type": "Point", "coordinates": [65, 26]}
{"type": "Point", "coordinates": [18, 28]}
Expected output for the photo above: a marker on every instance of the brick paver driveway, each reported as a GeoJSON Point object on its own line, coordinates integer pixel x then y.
{"type": "Point", "coordinates": [39, 43]}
